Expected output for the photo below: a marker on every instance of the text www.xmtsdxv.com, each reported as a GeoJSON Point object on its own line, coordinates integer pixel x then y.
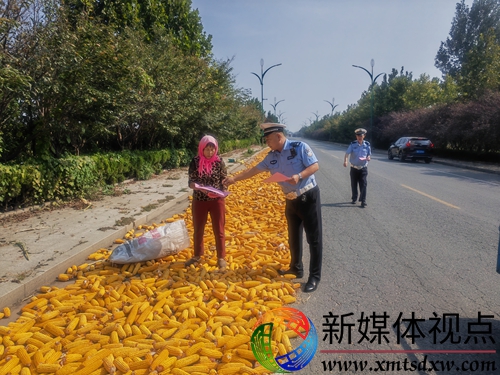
{"type": "Point", "coordinates": [482, 367]}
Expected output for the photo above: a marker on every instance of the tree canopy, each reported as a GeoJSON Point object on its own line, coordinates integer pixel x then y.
{"type": "Point", "coordinates": [482, 18]}
{"type": "Point", "coordinates": [80, 76]}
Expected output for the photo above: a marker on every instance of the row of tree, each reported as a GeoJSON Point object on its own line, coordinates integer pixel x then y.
{"type": "Point", "coordinates": [80, 76]}
{"type": "Point", "coordinates": [83, 76]}
{"type": "Point", "coordinates": [459, 112]}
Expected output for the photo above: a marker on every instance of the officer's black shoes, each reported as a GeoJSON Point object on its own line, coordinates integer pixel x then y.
{"type": "Point", "coordinates": [363, 204]}
{"type": "Point", "coordinates": [297, 274]}
{"type": "Point", "coordinates": [353, 201]}
{"type": "Point", "coordinates": [311, 285]}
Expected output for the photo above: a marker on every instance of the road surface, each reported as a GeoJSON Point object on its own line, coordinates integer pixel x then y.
{"type": "Point", "coordinates": [402, 273]}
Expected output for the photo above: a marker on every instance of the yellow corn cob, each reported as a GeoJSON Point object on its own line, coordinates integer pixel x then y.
{"type": "Point", "coordinates": [19, 338]}
{"type": "Point", "coordinates": [174, 350]}
{"type": "Point", "coordinates": [245, 353]}
{"type": "Point", "coordinates": [108, 365]}
{"type": "Point", "coordinates": [63, 277]}
{"type": "Point", "coordinates": [286, 341]}
{"type": "Point", "coordinates": [288, 299]}
{"type": "Point", "coordinates": [227, 320]}
{"type": "Point", "coordinates": [121, 365]}
{"type": "Point", "coordinates": [132, 314]}
{"type": "Point", "coordinates": [87, 328]}
{"type": "Point", "coordinates": [73, 357]}
{"type": "Point", "coordinates": [230, 369]}
{"type": "Point", "coordinates": [195, 348]}
{"type": "Point", "coordinates": [47, 368]}
{"type": "Point", "coordinates": [140, 365]}
{"type": "Point", "coordinates": [199, 331]}
{"type": "Point", "coordinates": [53, 356]}
{"type": "Point", "coordinates": [227, 331]}
{"type": "Point", "coordinates": [23, 356]}
{"type": "Point", "coordinates": [178, 371]}
{"type": "Point", "coordinates": [40, 337]}
{"type": "Point", "coordinates": [166, 364]}
{"type": "Point", "coordinates": [90, 367]}
{"type": "Point", "coordinates": [198, 369]}
{"type": "Point", "coordinates": [161, 357]}
{"type": "Point", "coordinates": [211, 353]}
{"type": "Point", "coordinates": [68, 369]}
{"type": "Point", "coordinates": [236, 341]}
{"type": "Point", "coordinates": [237, 359]}
{"type": "Point", "coordinates": [83, 321]}
{"type": "Point", "coordinates": [186, 361]}
{"type": "Point", "coordinates": [101, 354]}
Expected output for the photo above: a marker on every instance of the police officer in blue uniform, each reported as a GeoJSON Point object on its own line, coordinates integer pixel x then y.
{"type": "Point", "coordinates": [303, 206]}
{"type": "Point", "coordinates": [360, 154]}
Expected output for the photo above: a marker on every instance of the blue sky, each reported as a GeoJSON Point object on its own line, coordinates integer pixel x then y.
{"type": "Point", "coordinates": [318, 41]}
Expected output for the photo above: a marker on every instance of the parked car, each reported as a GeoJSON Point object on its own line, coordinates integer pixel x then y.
{"type": "Point", "coordinates": [413, 148]}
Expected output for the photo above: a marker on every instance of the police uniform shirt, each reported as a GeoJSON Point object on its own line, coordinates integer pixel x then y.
{"type": "Point", "coordinates": [359, 153]}
{"type": "Point", "coordinates": [293, 159]}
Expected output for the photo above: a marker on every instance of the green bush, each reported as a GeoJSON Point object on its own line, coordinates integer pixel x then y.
{"type": "Point", "coordinates": [42, 180]}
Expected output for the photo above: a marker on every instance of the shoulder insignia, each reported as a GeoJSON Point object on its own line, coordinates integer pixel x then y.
{"type": "Point", "coordinates": [354, 142]}
{"type": "Point", "coordinates": [368, 143]}
{"type": "Point", "coordinates": [296, 144]}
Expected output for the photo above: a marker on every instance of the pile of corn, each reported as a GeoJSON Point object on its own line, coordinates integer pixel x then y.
{"type": "Point", "coordinates": [158, 317]}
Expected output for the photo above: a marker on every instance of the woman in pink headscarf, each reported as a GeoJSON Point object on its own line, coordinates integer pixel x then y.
{"type": "Point", "coordinates": [208, 169]}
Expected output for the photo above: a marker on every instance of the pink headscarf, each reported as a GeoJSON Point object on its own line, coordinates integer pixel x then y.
{"type": "Point", "coordinates": [205, 165]}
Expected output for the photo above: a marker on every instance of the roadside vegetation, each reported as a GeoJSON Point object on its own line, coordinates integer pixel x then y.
{"type": "Point", "coordinates": [459, 112]}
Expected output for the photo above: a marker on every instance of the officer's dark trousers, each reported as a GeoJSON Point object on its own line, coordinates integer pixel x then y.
{"type": "Point", "coordinates": [305, 213]}
{"type": "Point", "coordinates": [358, 177]}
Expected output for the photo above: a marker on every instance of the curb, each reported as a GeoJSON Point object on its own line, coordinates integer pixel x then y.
{"type": "Point", "coordinates": [465, 166]}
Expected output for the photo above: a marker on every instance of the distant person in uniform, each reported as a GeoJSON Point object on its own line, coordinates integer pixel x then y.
{"type": "Point", "coordinates": [303, 206]}
{"type": "Point", "coordinates": [208, 169]}
{"type": "Point", "coordinates": [360, 154]}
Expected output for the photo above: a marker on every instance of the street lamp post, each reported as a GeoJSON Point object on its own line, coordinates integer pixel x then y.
{"type": "Point", "coordinates": [331, 104]}
{"type": "Point", "coordinates": [281, 119]}
{"type": "Point", "coordinates": [261, 80]}
{"type": "Point", "coordinates": [276, 104]}
{"type": "Point", "coordinates": [372, 63]}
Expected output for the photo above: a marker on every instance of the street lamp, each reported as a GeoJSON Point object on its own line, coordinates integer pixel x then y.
{"type": "Point", "coordinates": [331, 104]}
{"type": "Point", "coordinates": [276, 104]}
{"type": "Point", "coordinates": [261, 80]}
{"type": "Point", "coordinates": [281, 119]}
{"type": "Point", "coordinates": [372, 63]}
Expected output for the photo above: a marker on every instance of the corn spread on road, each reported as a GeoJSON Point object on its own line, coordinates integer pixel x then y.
{"type": "Point", "coordinates": [159, 317]}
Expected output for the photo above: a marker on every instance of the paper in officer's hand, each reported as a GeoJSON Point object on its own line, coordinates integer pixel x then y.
{"type": "Point", "coordinates": [210, 189]}
{"type": "Point", "coordinates": [276, 177]}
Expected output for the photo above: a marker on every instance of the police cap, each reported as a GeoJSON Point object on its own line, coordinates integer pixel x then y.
{"type": "Point", "coordinates": [271, 127]}
{"type": "Point", "coordinates": [360, 131]}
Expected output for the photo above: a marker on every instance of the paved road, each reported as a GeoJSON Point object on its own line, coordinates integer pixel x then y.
{"type": "Point", "coordinates": [427, 243]}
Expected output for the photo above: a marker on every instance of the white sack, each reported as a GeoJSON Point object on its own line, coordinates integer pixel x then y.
{"type": "Point", "coordinates": [157, 243]}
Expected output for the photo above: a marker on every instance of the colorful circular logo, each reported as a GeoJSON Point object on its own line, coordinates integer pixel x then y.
{"type": "Point", "coordinates": [290, 319]}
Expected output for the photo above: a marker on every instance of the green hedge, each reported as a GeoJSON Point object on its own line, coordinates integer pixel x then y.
{"type": "Point", "coordinates": [39, 181]}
